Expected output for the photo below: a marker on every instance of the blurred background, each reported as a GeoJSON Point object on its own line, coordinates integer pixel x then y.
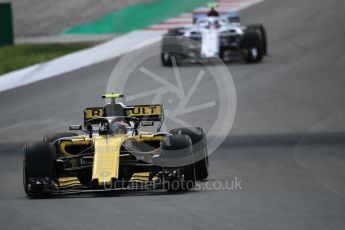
{"type": "Point", "coordinates": [34, 18]}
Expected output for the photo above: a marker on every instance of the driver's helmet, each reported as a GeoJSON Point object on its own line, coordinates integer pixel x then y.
{"type": "Point", "coordinates": [118, 127]}
{"type": "Point", "coordinates": [213, 12]}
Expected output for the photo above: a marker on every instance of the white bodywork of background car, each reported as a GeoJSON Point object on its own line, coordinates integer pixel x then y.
{"type": "Point", "coordinates": [211, 30]}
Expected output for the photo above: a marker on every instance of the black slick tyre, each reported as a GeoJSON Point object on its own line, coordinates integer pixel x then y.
{"type": "Point", "coordinates": [39, 162]}
{"type": "Point", "coordinates": [198, 138]}
{"type": "Point", "coordinates": [252, 46]}
{"type": "Point", "coordinates": [177, 154]}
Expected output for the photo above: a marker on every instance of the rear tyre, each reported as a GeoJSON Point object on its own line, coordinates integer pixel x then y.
{"type": "Point", "coordinates": [177, 155]}
{"type": "Point", "coordinates": [53, 137]}
{"type": "Point", "coordinates": [176, 31]}
{"type": "Point", "coordinates": [198, 138]}
{"type": "Point", "coordinates": [252, 46]}
{"type": "Point", "coordinates": [39, 162]}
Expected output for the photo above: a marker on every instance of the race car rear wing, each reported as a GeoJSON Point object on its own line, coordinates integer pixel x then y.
{"type": "Point", "coordinates": [230, 16]}
{"type": "Point", "coordinates": [114, 109]}
{"type": "Point", "coordinates": [145, 112]}
{"type": "Point", "coordinates": [141, 112]}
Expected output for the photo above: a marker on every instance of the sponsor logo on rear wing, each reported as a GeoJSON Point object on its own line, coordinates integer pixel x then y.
{"type": "Point", "coordinates": [142, 112]}
{"type": "Point", "coordinates": [91, 113]}
{"type": "Point", "coordinates": [145, 112]}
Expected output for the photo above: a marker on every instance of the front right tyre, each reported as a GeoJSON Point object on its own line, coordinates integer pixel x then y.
{"type": "Point", "coordinates": [39, 163]}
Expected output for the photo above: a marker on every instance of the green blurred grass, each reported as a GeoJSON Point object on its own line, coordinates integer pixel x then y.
{"type": "Point", "coordinates": [20, 56]}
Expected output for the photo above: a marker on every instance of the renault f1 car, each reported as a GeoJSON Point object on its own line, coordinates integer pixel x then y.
{"type": "Point", "coordinates": [214, 37]}
{"type": "Point", "coordinates": [115, 152]}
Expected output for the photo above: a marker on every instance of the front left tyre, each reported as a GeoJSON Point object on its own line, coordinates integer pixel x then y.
{"type": "Point", "coordinates": [262, 30]}
{"type": "Point", "coordinates": [252, 46]}
{"type": "Point", "coordinates": [198, 138]}
{"type": "Point", "coordinates": [177, 155]}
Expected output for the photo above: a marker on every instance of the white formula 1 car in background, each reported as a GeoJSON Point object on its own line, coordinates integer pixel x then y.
{"type": "Point", "coordinates": [214, 37]}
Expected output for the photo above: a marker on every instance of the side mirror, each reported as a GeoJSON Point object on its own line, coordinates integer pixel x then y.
{"type": "Point", "coordinates": [146, 123]}
{"type": "Point", "coordinates": [75, 127]}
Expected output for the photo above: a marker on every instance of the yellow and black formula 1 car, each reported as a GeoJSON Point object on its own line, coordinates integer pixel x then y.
{"type": "Point", "coordinates": [115, 153]}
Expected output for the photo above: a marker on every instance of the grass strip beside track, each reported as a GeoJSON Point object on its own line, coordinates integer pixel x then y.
{"type": "Point", "coordinates": [137, 17]}
{"type": "Point", "coordinates": [20, 56]}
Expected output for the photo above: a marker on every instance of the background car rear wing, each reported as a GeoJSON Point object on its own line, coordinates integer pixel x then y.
{"type": "Point", "coordinates": [230, 16]}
